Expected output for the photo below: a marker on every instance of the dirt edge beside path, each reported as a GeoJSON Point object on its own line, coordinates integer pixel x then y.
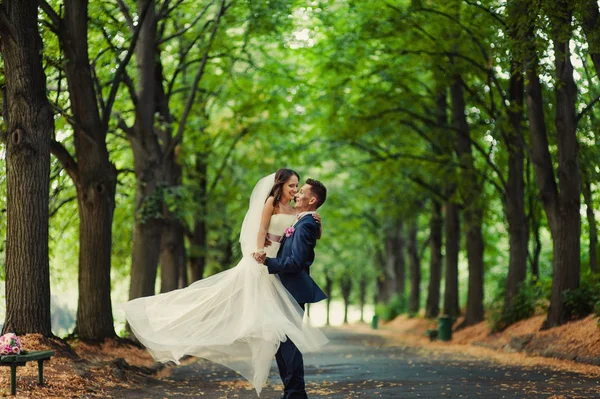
{"type": "Point", "coordinates": [574, 346]}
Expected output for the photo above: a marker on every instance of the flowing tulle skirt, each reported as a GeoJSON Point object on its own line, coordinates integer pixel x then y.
{"type": "Point", "coordinates": [236, 318]}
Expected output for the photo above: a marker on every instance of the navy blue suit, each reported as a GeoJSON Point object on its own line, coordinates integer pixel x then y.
{"type": "Point", "coordinates": [292, 264]}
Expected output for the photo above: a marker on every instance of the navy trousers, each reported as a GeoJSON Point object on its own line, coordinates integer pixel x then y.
{"type": "Point", "coordinates": [291, 369]}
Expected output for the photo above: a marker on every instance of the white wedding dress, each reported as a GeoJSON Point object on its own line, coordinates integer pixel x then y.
{"type": "Point", "coordinates": [236, 318]}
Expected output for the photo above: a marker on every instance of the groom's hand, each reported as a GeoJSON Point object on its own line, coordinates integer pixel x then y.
{"type": "Point", "coordinates": [267, 242]}
{"type": "Point", "coordinates": [260, 257]}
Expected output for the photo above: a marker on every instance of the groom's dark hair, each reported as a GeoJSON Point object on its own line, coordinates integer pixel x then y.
{"type": "Point", "coordinates": [317, 189]}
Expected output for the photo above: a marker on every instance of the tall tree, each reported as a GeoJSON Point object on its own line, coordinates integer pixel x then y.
{"type": "Point", "coordinates": [154, 149]}
{"type": "Point", "coordinates": [29, 121]}
{"type": "Point", "coordinates": [561, 200]}
{"type": "Point", "coordinates": [436, 223]}
{"type": "Point", "coordinates": [470, 189]}
{"type": "Point", "coordinates": [514, 194]}
{"type": "Point", "coordinates": [147, 162]}
{"type": "Point", "coordinates": [91, 170]}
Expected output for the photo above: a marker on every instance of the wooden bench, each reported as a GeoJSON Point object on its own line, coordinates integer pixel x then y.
{"type": "Point", "coordinates": [15, 361]}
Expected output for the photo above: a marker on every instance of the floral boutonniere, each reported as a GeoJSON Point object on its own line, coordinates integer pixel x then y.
{"type": "Point", "coordinates": [289, 231]}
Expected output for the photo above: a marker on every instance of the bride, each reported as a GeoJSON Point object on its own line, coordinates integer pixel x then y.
{"type": "Point", "coordinates": [238, 317]}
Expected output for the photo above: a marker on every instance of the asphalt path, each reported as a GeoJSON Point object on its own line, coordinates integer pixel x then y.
{"type": "Point", "coordinates": [365, 365]}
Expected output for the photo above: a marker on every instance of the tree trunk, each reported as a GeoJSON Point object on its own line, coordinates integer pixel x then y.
{"type": "Point", "coordinates": [95, 179]}
{"type": "Point", "coordinates": [172, 255]}
{"type": "Point", "coordinates": [567, 247]}
{"type": "Point", "coordinates": [386, 277]}
{"type": "Point", "coordinates": [391, 262]}
{"type": "Point", "coordinates": [534, 221]}
{"type": "Point", "coordinates": [198, 242]}
{"type": "Point", "coordinates": [399, 262]}
{"type": "Point", "coordinates": [514, 196]}
{"type": "Point", "coordinates": [172, 252]}
{"type": "Point", "coordinates": [470, 189]}
{"type": "Point", "coordinates": [227, 253]}
{"type": "Point", "coordinates": [328, 291]}
{"type": "Point", "coordinates": [452, 233]}
{"type": "Point", "coordinates": [172, 259]}
{"type": "Point", "coordinates": [147, 156]}
{"type": "Point", "coordinates": [184, 279]}
{"type": "Point", "coordinates": [346, 286]}
{"type": "Point", "coordinates": [561, 202]}
{"type": "Point", "coordinates": [378, 297]}
{"type": "Point", "coordinates": [415, 268]}
{"type": "Point", "coordinates": [436, 223]}
{"type": "Point", "coordinates": [432, 308]}
{"type": "Point", "coordinates": [591, 218]}
{"type": "Point", "coordinates": [29, 128]}
{"type": "Point", "coordinates": [362, 293]}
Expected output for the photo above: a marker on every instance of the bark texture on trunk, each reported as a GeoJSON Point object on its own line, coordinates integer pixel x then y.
{"type": "Point", "coordinates": [346, 288]}
{"type": "Point", "coordinates": [470, 190]}
{"type": "Point", "coordinates": [534, 217]}
{"type": "Point", "coordinates": [29, 129]}
{"type": "Point", "coordinates": [415, 269]}
{"type": "Point", "coordinates": [173, 259]}
{"type": "Point", "coordinates": [452, 248]}
{"type": "Point", "coordinates": [432, 308]}
{"type": "Point", "coordinates": [172, 256]}
{"type": "Point", "coordinates": [362, 297]}
{"type": "Point", "coordinates": [328, 291]}
{"type": "Point", "coordinates": [198, 240]}
{"type": "Point", "coordinates": [386, 280]}
{"type": "Point", "coordinates": [391, 279]}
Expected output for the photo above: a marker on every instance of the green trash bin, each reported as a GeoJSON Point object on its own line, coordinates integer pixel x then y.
{"type": "Point", "coordinates": [445, 328]}
{"type": "Point", "coordinates": [374, 322]}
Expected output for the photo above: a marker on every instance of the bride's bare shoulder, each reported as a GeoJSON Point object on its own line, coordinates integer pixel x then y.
{"type": "Point", "coordinates": [269, 204]}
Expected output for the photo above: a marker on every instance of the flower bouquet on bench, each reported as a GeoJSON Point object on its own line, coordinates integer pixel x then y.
{"type": "Point", "coordinates": [10, 344]}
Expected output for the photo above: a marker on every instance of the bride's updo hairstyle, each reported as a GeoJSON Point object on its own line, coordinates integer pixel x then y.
{"type": "Point", "coordinates": [281, 177]}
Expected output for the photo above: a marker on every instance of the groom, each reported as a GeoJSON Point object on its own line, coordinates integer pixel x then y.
{"type": "Point", "coordinates": [296, 254]}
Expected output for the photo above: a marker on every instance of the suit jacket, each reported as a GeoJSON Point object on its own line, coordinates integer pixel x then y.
{"type": "Point", "coordinates": [293, 261]}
